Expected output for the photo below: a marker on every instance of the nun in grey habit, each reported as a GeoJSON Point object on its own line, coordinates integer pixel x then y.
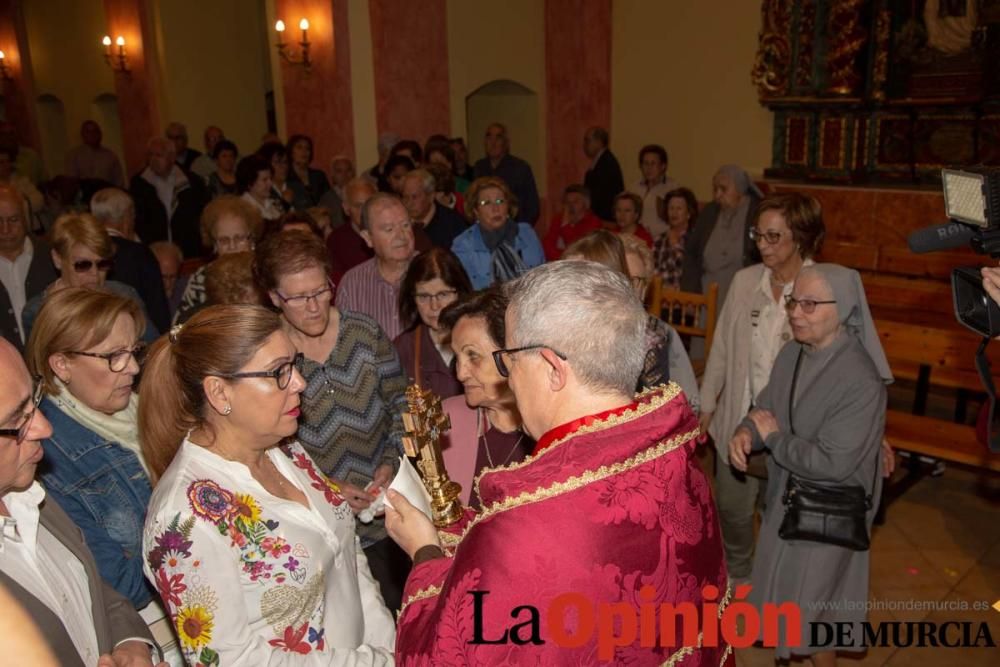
{"type": "Point", "coordinates": [839, 418]}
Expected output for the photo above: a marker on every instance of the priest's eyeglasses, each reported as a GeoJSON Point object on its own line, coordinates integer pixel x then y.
{"type": "Point", "coordinates": [504, 369]}
{"type": "Point", "coordinates": [20, 433]}
{"type": "Point", "coordinates": [282, 375]}
{"type": "Point", "coordinates": [808, 305]}
{"type": "Point", "coordinates": [118, 359]}
{"type": "Point", "coordinates": [771, 237]}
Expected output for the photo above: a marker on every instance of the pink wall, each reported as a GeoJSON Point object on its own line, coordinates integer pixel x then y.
{"type": "Point", "coordinates": [318, 103]}
{"type": "Point", "coordinates": [577, 86]}
{"type": "Point", "coordinates": [410, 45]}
{"type": "Point", "coordinates": [19, 92]}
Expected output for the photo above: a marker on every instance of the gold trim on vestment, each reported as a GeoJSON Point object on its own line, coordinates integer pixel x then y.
{"type": "Point", "coordinates": [579, 481]}
{"type": "Point", "coordinates": [668, 393]}
{"type": "Point", "coordinates": [422, 594]}
{"type": "Point", "coordinates": [685, 651]}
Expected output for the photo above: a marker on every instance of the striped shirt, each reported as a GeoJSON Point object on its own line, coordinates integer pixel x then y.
{"type": "Point", "coordinates": [364, 290]}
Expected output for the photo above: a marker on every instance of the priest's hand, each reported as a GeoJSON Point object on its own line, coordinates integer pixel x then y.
{"type": "Point", "coordinates": [739, 448]}
{"type": "Point", "coordinates": [764, 421]}
{"type": "Point", "coordinates": [356, 497]}
{"type": "Point", "coordinates": [408, 526]}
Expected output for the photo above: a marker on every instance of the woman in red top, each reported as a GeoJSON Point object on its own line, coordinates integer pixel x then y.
{"type": "Point", "coordinates": [628, 210]}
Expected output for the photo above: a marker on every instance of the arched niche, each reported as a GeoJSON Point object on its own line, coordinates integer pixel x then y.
{"type": "Point", "coordinates": [104, 109]}
{"type": "Point", "coordinates": [53, 132]}
{"type": "Point", "coordinates": [516, 106]}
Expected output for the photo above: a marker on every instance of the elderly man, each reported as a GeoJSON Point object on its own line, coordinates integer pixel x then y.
{"type": "Point", "coordinates": [168, 201]}
{"type": "Point", "coordinates": [204, 165]}
{"type": "Point", "coordinates": [440, 224]}
{"type": "Point", "coordinates": [377, 174]}
{"type": "Point", "coordinates": [185, 156]}
{"type": "Point", "coordinates": [513, 170]}
{"type": "Point", "coordinates": [169, 258]}
{"type": "Point", "coordinates": [604, 175]}
{"type": "Point", "coordinates": [346, 246]}
{"type": "Point", "coordinates": [372, 287]}
{"type": "Point", "coordinates": [91, 160]}
{"type": "Point", "coordinates": [653, 187]}
{"type": "Point", "coordinates": [611, 512]}
{"type": "Point", "coordinates": [44, 562]}
{"type": "Point", "coordinates": [25, 265]}
{"type": "Point", "coordinates": [575, 221]}
{"type": "Point", "coordinates": [341, 173]}
{"type": "Point", "coordinates": [135, 264]}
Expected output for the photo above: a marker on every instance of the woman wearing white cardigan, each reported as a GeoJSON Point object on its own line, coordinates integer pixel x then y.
{"type": "Point", "coordinates": [753, 326]}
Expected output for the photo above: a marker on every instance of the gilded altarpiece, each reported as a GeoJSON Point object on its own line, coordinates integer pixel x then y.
{"type": "Point", "coordinates": [880, 91]}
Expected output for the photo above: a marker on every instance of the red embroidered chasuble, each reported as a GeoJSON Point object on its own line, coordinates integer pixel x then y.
{"type": "Point", "coordinates": [613, 508]}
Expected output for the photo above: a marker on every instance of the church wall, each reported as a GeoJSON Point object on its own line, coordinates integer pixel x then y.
{"type": "Point", "coordinates": [680, 77]}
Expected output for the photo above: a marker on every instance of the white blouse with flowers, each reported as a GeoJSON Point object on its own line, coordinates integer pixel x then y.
{"type": "Point", "coordinates": [252, 579]}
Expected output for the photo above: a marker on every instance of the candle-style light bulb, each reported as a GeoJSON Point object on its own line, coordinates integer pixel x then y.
{"type": "Point", "coordinates": [106, 41]}
{"type": "Point", "coordinates": [280, 26]}
{"type": "Point", "coordinates": [304, 24]}
{"type": "Point", "coordinates": [3, 55]}
{"type": "Point", "coordinates": [120, 41]}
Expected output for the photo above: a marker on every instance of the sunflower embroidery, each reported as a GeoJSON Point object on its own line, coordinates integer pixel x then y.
{"type": "Point", "coordinates": [194, 626]}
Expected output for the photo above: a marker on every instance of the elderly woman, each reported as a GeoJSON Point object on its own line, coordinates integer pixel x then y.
{"type": "Point", "coordinates": [353, 399]}
{"type": "Point", "coordinates": [281, 192]}
{"type": "Point", "coordinates": [495, 249]}
{"type": "Point", "coordinates": [253, 184]}
{"type": "Point", "coordinates": [82, 252]}
{"type": "Point", "coordinates": [753, 326]}
{"type": "Point", "coordinates": [434, 280]}
{"type": "Point", "coordinates": [250, 545]}
{"type": "Point", "coordinates": [627, 208]}
{"type": "Point", "coordinates": [821, 418]}
{"type": "Point", "coordinates": [719, 245]}
{"type": "Point", "coordinates": [222, 181]}
{"type": "Point", "coordinates": [86, 346]}
{"type": "Point", "coordinates": [666, 359]}
{"type": "Point", "coordinates": [668, 251]}
{"type": "Point", "coordinates": [308, 184]}
{"type": "Point", "coordinates": [486, 430]}
{"type": "Point", "coordinates": [228, 225]}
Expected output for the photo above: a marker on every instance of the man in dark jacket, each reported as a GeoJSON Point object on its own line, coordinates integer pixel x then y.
{"type": "Point", "coordinates": [135, 264]}
{"type": "Point", "coordinates": [515, 172]}
{"type": "Point", "coordinates": [168, 200]}
{"type": "Point", "coordinates": [439, 223]}
{"type": "Point", "coordinates": [604, 176]}
{"type": "Point", "coordinates": [25, 265]}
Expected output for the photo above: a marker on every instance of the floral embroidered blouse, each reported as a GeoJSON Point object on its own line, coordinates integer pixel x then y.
{"type": "Point", "coordinates": [252, 579]}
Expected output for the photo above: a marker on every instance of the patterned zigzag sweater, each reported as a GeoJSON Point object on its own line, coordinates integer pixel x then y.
{"type": "Point", "coordinates": [351, 408]}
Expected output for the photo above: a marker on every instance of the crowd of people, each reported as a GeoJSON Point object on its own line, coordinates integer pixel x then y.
{"type": "Point", "coordinates": [216, 479]}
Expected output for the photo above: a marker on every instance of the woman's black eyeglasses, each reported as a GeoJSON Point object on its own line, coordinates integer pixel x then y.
{"type": "Point", "coordinates": [118, 360]}
{"type": "Point", "coordinates": [808, 305]}
{"type": "Point", "coordinates": [85, 265]}
{"type": "Point", "coordinates": [504, 370]}
{"type": "Point", "coordinates": [282, 375]}
{"type": "Point", "coordinates": [21, 432]}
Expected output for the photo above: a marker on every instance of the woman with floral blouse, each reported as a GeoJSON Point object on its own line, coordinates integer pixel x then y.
{"type": "Point", "coordinates": [251, 547]}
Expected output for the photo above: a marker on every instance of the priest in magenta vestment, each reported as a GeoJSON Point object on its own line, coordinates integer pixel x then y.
{"type": "Point", "coordinates": [603, 547]}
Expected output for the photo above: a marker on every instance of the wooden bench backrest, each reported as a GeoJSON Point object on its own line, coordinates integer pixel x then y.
{"type": "Point", "coordinates": [685, 311]}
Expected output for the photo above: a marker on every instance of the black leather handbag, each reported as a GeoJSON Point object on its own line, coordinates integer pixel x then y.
{"type": "Point", "coordinates": [821, 513]}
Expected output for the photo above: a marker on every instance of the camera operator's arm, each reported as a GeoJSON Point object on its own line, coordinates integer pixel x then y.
{"type": "Point", "coordinates": [991, 282]}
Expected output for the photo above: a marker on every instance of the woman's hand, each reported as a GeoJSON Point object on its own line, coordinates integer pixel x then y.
{"type": "Point", "coordinates": [765, 422]}
{"type": "Point", "coordinates": [888, 459]}
{"type": "Point", "coordinates": [991, 281]}
{"type": "Point", "coordinates": [356, 497]}
{"type": "Point", "coordinates": [739, 448]}
{"type": "Point", "coordinates": [704, 421]}
{"type": "Point", "coordinates": [407, 526]}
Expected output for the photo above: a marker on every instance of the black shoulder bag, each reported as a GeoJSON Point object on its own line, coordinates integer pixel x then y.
{"type": "Point", "coordinates": [819, 513]}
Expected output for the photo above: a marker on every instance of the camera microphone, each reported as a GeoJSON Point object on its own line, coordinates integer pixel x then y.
{"type": "Point", "coordinates": [940, 237]}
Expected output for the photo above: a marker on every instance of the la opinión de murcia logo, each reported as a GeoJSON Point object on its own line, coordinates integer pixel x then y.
{"type": "Point", "coordinates": [738, 624]}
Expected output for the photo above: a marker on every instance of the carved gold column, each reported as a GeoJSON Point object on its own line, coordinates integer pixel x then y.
{"type": "Point", "coordinates": [846, 36]}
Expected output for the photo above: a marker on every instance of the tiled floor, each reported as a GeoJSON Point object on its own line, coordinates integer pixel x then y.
{"type": "Point", "coordinates": [940, 542]}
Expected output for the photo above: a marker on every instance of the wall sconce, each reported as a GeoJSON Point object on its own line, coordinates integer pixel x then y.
{"type": "Point", "coordinates": [4, 72]}
{"type": "Point", "coordinates": [291, 56]}
{"type": "Point", "coordinates": [117, 62]}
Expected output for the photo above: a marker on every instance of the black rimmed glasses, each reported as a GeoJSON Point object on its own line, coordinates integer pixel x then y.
{"type": "Point", "coordinates": [499, 201]}
{"type": "Point", "coordinates": [437, 297]}
{"type": "Point", "coordinates": [808, 305]}
{"type": "Point", "coordinates": [118, 359]}
{"type": "Point", "coordinates": [504, 370]}
{"type": "Point", "coordinates": [85, 265]}
{"type": "Point", "coordinates": [302, 300]}
{"type": "Point", "coordinates": [771, 237]}
{"type": "Point", "coordinates": [20, 433]}
{"type": "Point", "coordinates": [282, 375]}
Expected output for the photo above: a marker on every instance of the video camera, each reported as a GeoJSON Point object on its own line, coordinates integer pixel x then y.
{"type": "Point", "coordinates": [972, 202]}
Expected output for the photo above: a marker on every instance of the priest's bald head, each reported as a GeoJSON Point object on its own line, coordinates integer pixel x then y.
{"type": "Point", "coordinates": [576, 342]}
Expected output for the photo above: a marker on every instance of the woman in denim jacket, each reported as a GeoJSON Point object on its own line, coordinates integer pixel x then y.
{"type": "Point", "coordinates": [85, 346]}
